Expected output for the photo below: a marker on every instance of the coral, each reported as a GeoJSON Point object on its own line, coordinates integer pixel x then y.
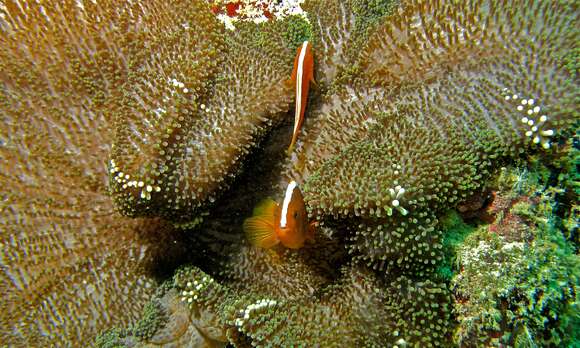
{"type": "Point", "coordinates": [123, 125]}
{"type": "Point", "coordinates": [297, 31]}
{"type": "Point", "coordinates": [111, 339]}
{"type": "Point", "coordinates": [369, 13]}
{"type": "Point", "coordinates": [183, 129]}
{"type": "Point", "coordinates": [152, 319]}
{"type": "Point", "coordinates": [346, 314]}
{"type": "Point", "coordinates": [516, 279]}
{"type": "Point", "coordinates": [571, 61]}
{"type": "Point", "coordinates": [170, 323]}
{"type": "Point", "coordinates": [285, 33]}
{"type": "Point", "coordinates": [297, 297]}
{"type": "Point", "coordinates": [420, 313]}
{"type": "Point", "coordinates": [283, 275]}
{"type": "Point", "coordinates": [439, 95]}
{"type": "Point", "coordinates": [71, 265]}
{"type": "Point", "coordinates": [333, 24]}
{"type": "Point", "coordinates": [358, 310]}
{"type": "Point", "coordinates": [387, 153]}
{"type": "Point", "coordinates": [148, 102]}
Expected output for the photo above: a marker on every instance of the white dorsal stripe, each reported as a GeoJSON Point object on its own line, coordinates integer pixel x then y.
{"type": "Point", "coordinates": [286, 204]}
{"type": "Point", "coordinates": [299, 74]}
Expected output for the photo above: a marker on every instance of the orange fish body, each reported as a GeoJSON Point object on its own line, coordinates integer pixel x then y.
{"type": "Point", "coordinates": [302, 75]}
{"type": "Point", "coordinates": [288, 225]}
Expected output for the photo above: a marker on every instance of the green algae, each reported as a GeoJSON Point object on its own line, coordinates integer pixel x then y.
{"type": "Point", "coordinates": [518, 289]}
{"type": "Point", "coordinates": [455, 233]}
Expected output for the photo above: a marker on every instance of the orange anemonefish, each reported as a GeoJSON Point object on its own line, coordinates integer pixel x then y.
{"type": "Point", "coordinates": [271, 225]}
{"type": "Point", "coordinates": [302, 75]}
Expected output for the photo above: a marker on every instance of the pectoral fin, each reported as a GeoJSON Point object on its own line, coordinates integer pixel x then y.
{"type": "Point", "coordinates": [313, 81]}
{"type": "Point", "coordinates": [311, 231]}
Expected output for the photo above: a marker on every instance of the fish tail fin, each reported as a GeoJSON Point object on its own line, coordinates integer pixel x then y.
{"type": "Point", "coordinates": [313, 81]}
{"type": "Point", "coordinates": [266, 207]}
{"type": "Point", "coordinates": [292, 143]}
{"type": "Point", "coordinates": [260, 229]}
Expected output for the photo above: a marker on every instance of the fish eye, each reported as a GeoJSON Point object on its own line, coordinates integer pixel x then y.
{"type": "Point", "coordinates": [296, 215]}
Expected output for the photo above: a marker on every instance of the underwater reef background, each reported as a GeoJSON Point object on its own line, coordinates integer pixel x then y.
{"type": "Point", "coordinates": [439, 155]}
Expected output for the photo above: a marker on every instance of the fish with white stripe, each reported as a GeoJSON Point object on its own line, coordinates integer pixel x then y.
{"type": "Point", "coordinates": [271, 225]}
{"type": "Point", "coordinates": [302, 75]}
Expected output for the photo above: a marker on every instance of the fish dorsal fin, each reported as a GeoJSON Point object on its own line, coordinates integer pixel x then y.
{"type": "Point", "coordinates": [260, 229]}
{"type": "Point", "coordinates": [295, 68]}
{"type": "Point", "coordinates": [266, 207]}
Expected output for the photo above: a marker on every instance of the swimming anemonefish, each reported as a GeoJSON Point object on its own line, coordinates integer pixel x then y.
{"type": "Point", "coordinates": [271, 225]}
{"type": "Point", "coordinates": [302, 75]}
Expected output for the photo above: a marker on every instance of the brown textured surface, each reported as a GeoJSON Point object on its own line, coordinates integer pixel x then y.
{"type": "Point", "coordinates": [182, 133]}
{"type": "Point", "coordinates": [148, 97]}
{"type": "Point", "coordinates": [70, 265]}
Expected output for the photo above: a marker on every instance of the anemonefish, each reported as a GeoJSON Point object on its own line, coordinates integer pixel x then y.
{"type": "Point", "coordinates": [302, 75]}
{"type": "Point", "coordinates": [289, 225]}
